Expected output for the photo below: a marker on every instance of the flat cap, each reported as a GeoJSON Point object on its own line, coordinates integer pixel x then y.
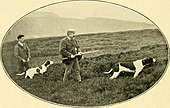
{"type": "Point", "coordinates": [70, 31]}
{"type": "Point", "coordinates": [20, 36]}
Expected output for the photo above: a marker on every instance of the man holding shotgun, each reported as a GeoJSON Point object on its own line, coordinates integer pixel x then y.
{"type": "Point", "coordinates": [71, 54]}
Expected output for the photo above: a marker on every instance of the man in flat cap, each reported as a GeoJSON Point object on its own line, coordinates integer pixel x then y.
{"type": "Point", "coordinates": [22, 53]}
{"type": "Point", "coordinates": [68, 48]}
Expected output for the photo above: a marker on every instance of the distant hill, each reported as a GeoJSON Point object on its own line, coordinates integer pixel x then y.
{"type": "Point", "coordinates": [45, 24]}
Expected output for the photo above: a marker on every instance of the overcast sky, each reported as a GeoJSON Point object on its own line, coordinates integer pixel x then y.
{"type": "Point", "coordinates": [83, 9]}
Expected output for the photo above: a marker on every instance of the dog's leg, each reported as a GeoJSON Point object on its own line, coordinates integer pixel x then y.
{"type": "Point", "coordinates": [115, 75]}
{"type": "Point", "coordinates": [31, 77]}
{"type": "Point", "coordinates": [137, 72]}
{"type": "Point", "coordinates": [26, 76]}
{"type": "Point", "coordinates": [108, 72]}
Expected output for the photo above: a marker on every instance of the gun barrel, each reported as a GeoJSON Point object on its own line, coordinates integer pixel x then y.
{"type": "Point", "coordinates": [83, 53]}
{"type": "Point", "coordinates": [90, 52]}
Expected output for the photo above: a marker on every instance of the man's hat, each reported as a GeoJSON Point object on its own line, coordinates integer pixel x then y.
{"type": "Point", "coordinates": [71, 31]}
{"type": "Point", "coordinates": [20, 36]}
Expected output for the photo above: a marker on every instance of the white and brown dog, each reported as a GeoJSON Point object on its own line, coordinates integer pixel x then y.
{"type": "Point", "coordinates": [36, 70]}
{"type": "Point", "coordinates": [133, 67]}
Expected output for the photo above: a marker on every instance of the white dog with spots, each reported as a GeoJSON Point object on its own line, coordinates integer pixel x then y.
{"type": "Point", "coordinates": [133, 67]}
{"type": "Point", "coordinates": [36, 70]}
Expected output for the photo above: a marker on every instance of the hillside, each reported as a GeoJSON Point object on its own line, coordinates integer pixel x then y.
{"type": "Point", "coordinates": [95, 89]}
{"type": "Point", "coordinates": [106, 43]}
{"type": "Point", "coordinates": [44, 24]}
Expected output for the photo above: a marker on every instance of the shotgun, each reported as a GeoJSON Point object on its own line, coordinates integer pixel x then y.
{"type": "Point", "coordinates": [82, 54]}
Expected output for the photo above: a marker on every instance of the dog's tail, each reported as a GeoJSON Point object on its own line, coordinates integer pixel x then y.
{"type": "Point", "coordinates": [108, 72]}
{"type": "Point", "coordinates": [21, 73]}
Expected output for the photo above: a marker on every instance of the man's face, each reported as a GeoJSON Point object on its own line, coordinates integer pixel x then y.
{"type": "Point", "coordinates": [71, 35]}
{"type": "Point", "coordinates": [21, 39]}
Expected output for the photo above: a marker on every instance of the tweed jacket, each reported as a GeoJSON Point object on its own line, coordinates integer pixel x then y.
{"type": "Point", "coordinates": [68, 47]}
{"type": "Point", "coordinates": [22, 52]}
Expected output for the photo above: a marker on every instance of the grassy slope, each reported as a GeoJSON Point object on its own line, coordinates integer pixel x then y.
{"type": "Point", "coordinates": [96, 88]}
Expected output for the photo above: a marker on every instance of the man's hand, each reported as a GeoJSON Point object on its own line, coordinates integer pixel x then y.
{"type": "Point", "coordinates": [28, 59]}
{"type": "Point", "coordinates": [23, 60]}
{"type": "Point", "coordinates": [72, 56]}
{"type": "Point", "coordinates": [79, 53]}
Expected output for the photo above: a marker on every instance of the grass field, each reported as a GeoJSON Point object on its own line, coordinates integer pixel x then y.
{"type": "Point", "coordinates": [96, 89]}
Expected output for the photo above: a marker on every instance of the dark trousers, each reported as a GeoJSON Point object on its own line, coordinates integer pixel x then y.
{"type": "Point", "coordinates": [23, 66]}
{"type": "Point", "coordinates": [72, 66]}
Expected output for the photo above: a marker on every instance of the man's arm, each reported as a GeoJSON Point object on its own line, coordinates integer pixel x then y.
{"type": "Point", "coordinates": [28, 49]}
{"type": "Point", "coordinates": [16, 53]}
{"type": "Point", "coordinates": [62, 49]}
{"type": "Point", "coordinates": [78, 47]}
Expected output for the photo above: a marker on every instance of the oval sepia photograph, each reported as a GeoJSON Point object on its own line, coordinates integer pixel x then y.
{"type": "Point", "coordinates": [84, 53]}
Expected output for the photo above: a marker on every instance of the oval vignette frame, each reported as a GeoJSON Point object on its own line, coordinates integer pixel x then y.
{"type": "Point", "coordinates": [90, 90]}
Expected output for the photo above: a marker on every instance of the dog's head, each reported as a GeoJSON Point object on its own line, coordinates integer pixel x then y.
{"type": "Point", "coordinates": [48, 63]}
{"type": "Point", "coordinates": [148, 61]}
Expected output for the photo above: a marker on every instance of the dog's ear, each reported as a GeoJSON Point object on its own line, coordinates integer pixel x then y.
{"type": "Point", "coordinates": [38, 70]}
{"type": "Point", "coordinates": [47, 63]}
{"type": "Point", "coordinates": [144, 61]}
{"type": "Point", "coordinates": [150, 60]}
{"type": "Point", "coordinates": [40, 67]}
{"type": "Point", "coordinates": [147, 61]}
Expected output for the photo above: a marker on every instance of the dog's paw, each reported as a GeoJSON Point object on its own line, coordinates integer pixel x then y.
{"type": "Point", "coordinates": [134, 76]}
{"type": "Point", "coordinates": [112, 78]}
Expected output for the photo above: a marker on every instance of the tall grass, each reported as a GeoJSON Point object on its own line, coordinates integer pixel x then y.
{"type": "Point", "coordinates": [96, 89]}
